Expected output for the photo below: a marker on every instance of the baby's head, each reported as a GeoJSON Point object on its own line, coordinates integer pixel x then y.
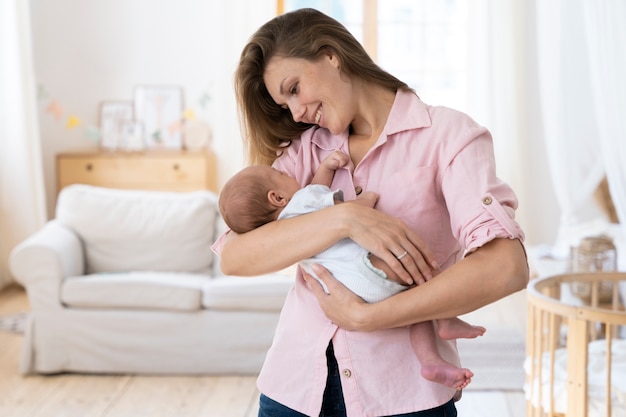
{"type": "Point", "coordinates": [254, 196]}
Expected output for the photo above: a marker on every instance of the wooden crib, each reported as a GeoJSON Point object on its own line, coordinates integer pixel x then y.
{"type": "Point", "coordinates": [565, 334]}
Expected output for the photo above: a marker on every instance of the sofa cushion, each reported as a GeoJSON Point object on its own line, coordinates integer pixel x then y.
{"type": "Point", "coordinates": [260, 293]}
{"type": "Point", "coordinates": [135, 290]}
{"type": "Point", "coordinates": [129, 230]}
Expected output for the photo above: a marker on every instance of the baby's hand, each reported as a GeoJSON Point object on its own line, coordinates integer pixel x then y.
{"type": "Point", "coordinates": [335, 160]}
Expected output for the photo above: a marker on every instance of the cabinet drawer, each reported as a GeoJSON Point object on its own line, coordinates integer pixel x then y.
{"type": "Point", "coordinates": [176, 172]}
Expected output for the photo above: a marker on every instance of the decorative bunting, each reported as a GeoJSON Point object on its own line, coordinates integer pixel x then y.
{"type": "Point", "coordinates": [55, 109]}
{"type": "Point", "coordinates": [204, 100]}
{"type": "Point", "coordinates": [72, 122]}
{"type": "Point", "coordinates": [92, 133]}
{"type": "Point", "coordinates": [41, 92]}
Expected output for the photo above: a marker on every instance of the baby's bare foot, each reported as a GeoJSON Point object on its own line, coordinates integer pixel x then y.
{"type": "Point", "coordinates": [447, 374]}
{"type": "Point", "coordinates": [458, 329]}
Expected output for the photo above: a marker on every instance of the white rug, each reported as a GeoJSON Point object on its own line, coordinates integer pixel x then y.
{"type": "Point", "coordinates": [496, 359]}
{"type": "Point", "coordinates": [13, 323]}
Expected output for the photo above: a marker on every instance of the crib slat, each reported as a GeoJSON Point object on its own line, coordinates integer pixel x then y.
{"type": "Point", "coordinates": [577, 356]}
{"type": "Point", "coordinates": [553, 337]}
{"type": "Point", "coordinates": [615, 304]}
{"type": "Point", "coordinates": [609, 342]}
{"type": "Point", "coordinates": [530, 353]}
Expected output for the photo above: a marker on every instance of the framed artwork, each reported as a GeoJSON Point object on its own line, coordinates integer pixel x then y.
{"type": "Point", "coordinates": [112, 115]}
{"type": "Point", "coordinates": [160, 109]}
{"type": "Point", "coordinates": [132, 136]}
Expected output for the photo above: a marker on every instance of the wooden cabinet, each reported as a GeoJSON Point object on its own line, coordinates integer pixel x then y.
{"type": "Point", "coordinates": [158, 170]}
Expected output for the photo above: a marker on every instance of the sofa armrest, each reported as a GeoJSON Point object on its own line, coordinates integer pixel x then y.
{"type": "Point", "coordinates": [42, 261]}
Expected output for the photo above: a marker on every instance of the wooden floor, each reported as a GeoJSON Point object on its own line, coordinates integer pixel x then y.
{"type": "Point", "coordinates": [183, 396]}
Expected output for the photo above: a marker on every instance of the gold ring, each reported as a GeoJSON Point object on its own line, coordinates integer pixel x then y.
{"type": "Point", "coordinates": [401, 256]}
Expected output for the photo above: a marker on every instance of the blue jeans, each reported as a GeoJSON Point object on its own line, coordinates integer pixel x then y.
{"type": "Point", "coordinates": [333, 404]}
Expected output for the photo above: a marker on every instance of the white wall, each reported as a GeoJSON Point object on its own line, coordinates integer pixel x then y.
{"type": "Point", "coordinates": [92, 50]}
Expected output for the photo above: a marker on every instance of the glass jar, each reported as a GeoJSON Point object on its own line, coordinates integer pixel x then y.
{"type": "Point", "coordinates": [593, 254]}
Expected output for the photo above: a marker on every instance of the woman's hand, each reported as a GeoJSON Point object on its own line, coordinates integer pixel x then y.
{"type": "Point", "coordinates": [392, 241]}
{"type": "Point", "coordinates": [343, 307]}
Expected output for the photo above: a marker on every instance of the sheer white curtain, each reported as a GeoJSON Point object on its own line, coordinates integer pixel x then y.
{"type": "Point", "coordinates": [22, 194]}
{"type": "Point", "coordinates": [605, 30]}
{"type": "Point", "coordinates": [581, 74]}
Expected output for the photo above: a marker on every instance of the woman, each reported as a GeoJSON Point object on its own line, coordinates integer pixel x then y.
{"type": "Point", "coordinates": [306, 88]}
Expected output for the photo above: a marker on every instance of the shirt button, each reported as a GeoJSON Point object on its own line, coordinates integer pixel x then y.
{"type": "Point", "coordinates": [487, 201]}
{"type": "Point", "coordinates": [358, 190]}
{"type": "Point", "coordinates": [347, 373]}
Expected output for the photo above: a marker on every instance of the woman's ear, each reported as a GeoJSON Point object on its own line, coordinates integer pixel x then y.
{"type": "Point", "coordinates": [333, 59]}
{"type": "Point", "coordinates": [276, 199]}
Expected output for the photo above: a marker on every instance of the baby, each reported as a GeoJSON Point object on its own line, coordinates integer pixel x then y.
{"type": "Point", "coordinates": [260, 194]}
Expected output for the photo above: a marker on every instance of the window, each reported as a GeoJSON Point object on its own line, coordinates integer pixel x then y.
{"type": "Point", "coordinates": [422, 42]}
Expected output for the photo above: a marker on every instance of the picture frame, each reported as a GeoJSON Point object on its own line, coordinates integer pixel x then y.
{"type": "Point", "coordinates": [160, 109]}
{"type": "Point", "coordinates": [112, 114]}
{"type": "Point", "coordinates": [132, 136]}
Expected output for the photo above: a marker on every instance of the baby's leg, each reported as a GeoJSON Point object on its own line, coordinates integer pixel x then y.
{"type": "Point", "coordinates": [434, 367]}
{"type": "Point", "coordinates": [455, 328]}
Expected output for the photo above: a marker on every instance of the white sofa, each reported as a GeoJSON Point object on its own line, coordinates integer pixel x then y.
{"type": "Point", "coordinates": [125, 282]}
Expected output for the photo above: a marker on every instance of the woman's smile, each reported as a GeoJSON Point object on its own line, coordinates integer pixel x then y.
{"type": "Point", "coordinates": [318, 115]}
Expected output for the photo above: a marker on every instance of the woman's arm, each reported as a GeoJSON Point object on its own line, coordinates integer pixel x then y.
{"type": "Point", "coordinates": [495, 270]}
{"type": "Point", "coordinates": [282, 243]}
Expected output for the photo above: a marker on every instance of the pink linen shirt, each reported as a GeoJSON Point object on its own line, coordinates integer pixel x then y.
{"type": "Point", "coordinates": [434, 168]}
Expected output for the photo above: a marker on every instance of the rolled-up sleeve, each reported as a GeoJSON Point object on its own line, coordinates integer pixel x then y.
{"type": "Point", "coordinates": [481, 206]}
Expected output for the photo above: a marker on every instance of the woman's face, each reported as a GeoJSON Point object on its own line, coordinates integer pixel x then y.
{"type": "Point", "coordinates": [315, 92]}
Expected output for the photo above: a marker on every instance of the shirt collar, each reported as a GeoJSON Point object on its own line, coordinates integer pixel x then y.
{"type": "Point", "coordinates": [408, 112]}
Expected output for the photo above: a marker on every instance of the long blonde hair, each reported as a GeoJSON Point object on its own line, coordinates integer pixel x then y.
{"type": "Point", "coordinates": [305, 33]}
